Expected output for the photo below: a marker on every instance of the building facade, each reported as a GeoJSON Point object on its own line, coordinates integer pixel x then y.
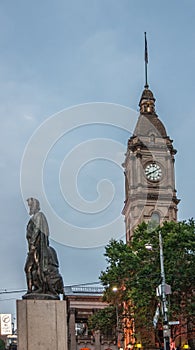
{"type": "Point", "coordinates": [82, 302]}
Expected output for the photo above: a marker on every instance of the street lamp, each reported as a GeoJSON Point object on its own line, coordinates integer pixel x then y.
{"type": "Point", "coordinates": [166, 329]}
{"type": "Point", "coordinates": [115, 290]}
{"type": "Point", "coordinates": [161, 291]}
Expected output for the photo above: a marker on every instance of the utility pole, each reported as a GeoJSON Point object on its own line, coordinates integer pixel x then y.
{"type": "Point", "coordinates": [115, 290]}
{"type": "Point", "coordinates": [166, 329]}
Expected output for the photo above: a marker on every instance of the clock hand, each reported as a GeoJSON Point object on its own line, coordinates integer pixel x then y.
{"type": "Point", "coordinates": [153, 171]}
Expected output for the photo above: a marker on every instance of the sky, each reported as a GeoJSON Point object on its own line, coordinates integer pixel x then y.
{"type": "Point", "coordinates": [71, 74]}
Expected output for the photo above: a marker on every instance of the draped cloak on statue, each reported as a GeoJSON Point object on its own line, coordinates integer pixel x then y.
{"type": "Point", "coordinates": [38, 242]}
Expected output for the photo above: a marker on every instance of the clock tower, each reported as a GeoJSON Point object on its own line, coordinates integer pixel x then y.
{"type": "Point", "coordinates": [150, 193]}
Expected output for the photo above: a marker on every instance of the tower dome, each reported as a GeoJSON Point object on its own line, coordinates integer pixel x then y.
{"type": "Point", "coordinates": [148, 121]}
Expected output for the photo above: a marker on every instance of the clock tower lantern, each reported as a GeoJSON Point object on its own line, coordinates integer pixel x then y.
{"type": "Point", "coordinates": [150, 193]}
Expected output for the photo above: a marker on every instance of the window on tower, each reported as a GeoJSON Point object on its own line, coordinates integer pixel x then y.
{"type": "Point", "coordinates": [154, 221]}
{"type": "Point", "coordinates": [155, 218]}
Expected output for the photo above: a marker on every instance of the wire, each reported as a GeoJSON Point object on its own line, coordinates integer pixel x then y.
{"type": "Point", "coordinates": [83, 284]}
{"type": "Point", "coordinates": [13, 291]}
{"type": "Point", "coordinates": [5, 291]}
{"type": "Point", "coordinates": [8, 299]}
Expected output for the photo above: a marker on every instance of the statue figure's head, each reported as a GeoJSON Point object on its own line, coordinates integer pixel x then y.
{"type": "Point", "coordinates": [34, 205]}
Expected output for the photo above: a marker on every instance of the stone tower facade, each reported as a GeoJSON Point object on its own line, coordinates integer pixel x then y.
{"type": "Point", "coordinates": [150, 193]}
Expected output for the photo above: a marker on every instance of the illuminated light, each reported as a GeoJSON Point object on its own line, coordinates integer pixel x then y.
{"type": "Point", "coordinates": [148, 246]}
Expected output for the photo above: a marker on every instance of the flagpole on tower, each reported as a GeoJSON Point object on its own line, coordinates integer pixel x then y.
{"type": "Point", "coordinates": [146, 62]}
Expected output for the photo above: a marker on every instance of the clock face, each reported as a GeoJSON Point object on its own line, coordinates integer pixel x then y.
{"type": "Point", "coordinates": [153, 172]}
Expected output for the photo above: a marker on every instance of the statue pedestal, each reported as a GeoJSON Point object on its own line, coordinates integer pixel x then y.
{"type": "Point", "coordinates": [42, 325]}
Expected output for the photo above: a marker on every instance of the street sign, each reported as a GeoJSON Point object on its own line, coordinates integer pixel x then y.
{"type": "Point", "coordinates": [159, 289]}
{"type": "Point", "coordinates": [156, 316]}
{"type": "Point", "coordinates": [5, 323]}
{"type": "Point", "coordinates": [172, 323]}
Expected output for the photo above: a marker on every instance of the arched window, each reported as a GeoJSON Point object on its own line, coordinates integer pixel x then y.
{"type": "Point", "coordinates": [155, 218]}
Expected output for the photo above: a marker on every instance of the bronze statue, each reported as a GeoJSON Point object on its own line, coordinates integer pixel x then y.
{"type": "Point", "coordinates": [42, 268]}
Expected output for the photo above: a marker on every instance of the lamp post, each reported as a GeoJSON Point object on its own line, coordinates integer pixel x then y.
{"type": "Point", "coordinates": [115, 290]}
{"type": "Point", "coordinates": [161, 291]}
{"type": "Point", "coordinates": [166, 329]}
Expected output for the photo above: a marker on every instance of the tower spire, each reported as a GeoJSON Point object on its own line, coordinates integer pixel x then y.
{"type": "Point", "coordinates": [146, 62]}
{"type": "Point", "coordinates": [147, 101]}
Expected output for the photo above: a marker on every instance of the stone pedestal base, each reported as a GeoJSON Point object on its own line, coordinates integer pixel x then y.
{"type": "Point", "coordinates": [42, 325]}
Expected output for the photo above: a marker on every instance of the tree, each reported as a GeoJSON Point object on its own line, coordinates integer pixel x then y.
{"type": "Point", "coordinates": [136, 273]}
{"type": "Point", "coordinates": [104, 320]}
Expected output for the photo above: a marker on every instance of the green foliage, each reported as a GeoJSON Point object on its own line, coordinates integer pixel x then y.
{"type": "Point", "coordinates": [103, 320]}
{"type": "Point", "coordinates": [2, 344]}
{"type": "Point", "coordinates": [135, 271]}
